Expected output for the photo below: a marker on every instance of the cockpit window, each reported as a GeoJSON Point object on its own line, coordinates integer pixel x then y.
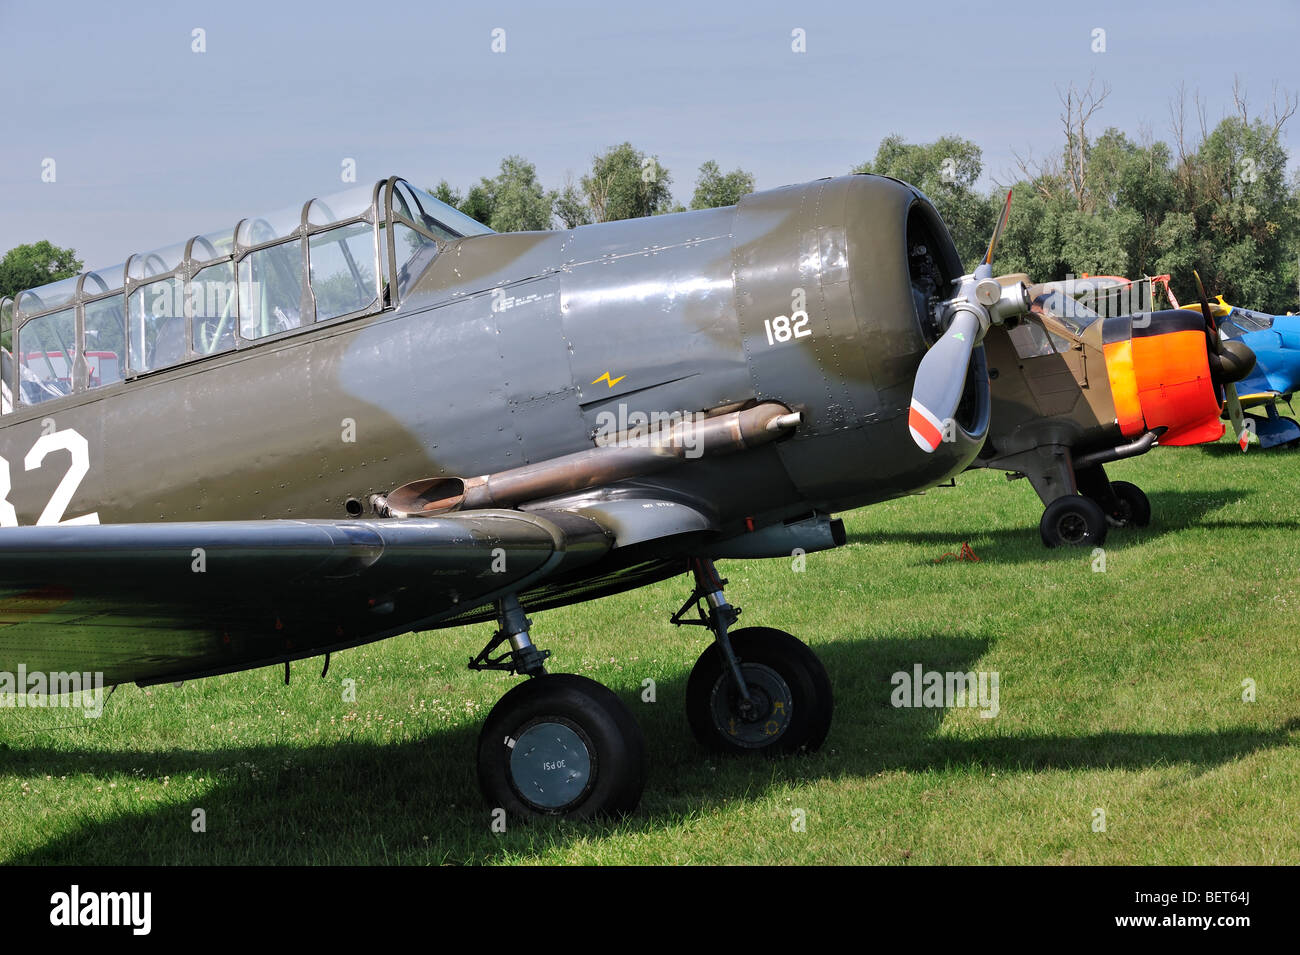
{"type": "Point", "coordinates": [323, 261]}
{"type": "Point", "coordinates": [421, 209]}
{"type": "Point", "coordinates": [1047, 300]}
{"type": "Point", "coordinates": [1030, 339]}
{"type": "Point", "coordinates": [46, 356]}
{"type": "Point", "coordinates": [270, 290]}
{"type": "Point", "coordinates": [343, 270]}
{"type": "Point", "coordinates": [350, 204]}
{"type": "Point", "coordinates": [213, 299]}
{"type": "Point", "coordinates": [1033, 339]}
{"type": "Point", "coordinates": [156, 325]}
{"type": "Point", "coordinates": [1248, 321]}
{"type": "Point", "coordinates": [6, 343]}
{"type": "Point", "coordinates": [105, 341]}
{"type": "Point", "coordinates": [414, 252]}
{"type": "Point", "coordinates": [6, 376]}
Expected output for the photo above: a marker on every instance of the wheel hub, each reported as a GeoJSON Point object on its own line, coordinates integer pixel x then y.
{"type": "Point", "coordinates": [762, 723]}
{"type": "Point", "coordinates": [1072, 528]}
{"type": "Point", "coordinates": [551, 765]}
{"type": "Point", "coordinates": [1122, 515]}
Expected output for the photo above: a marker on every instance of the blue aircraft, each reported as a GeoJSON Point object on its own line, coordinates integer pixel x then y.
{"type": "Point", "coordinates": [1275, 340]}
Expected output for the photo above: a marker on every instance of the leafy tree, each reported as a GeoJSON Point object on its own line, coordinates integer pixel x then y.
{"type": "Point", "coordinates": [511, 201]}
{"type": "Point", "coordinates": [1106, 220]}
{"type": "Point", "coordinates": [447, 194]}
{"type": "Point", "coordinates": [1245, 215]}
{"type": "Point", "coordinates": [714, 189]}
{"type": "Point", "coordinates": [570, 206]}
{"type": "Point", "coordinates": [478, 203]}
{"type": "Point", "coordinates": [517, 200]}
{"type": "Point", "coordinates": [625, 183]}
{"type": "Point", "coordinates": [945, 170]}
{"type": "Point", "coordinates": [1110, 205]}
{"type": "Point", "coordinates": [29, 266]}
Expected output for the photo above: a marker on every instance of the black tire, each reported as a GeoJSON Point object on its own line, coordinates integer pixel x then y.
{"type": "Point", "coordinates": [557, 719]}
{"type": "Point", "coordinates": [778, 669]}
{"type": "Point", "coordinates": [1134, 507]}
{"type": "Point", "coordinates": [1073, 520]}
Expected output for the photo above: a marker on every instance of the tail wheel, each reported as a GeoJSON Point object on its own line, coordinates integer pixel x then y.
{"type": "Point", "coordinates": [787, 684]}
{"type": "Point", "coordinates": [561, 745]}
{"type": "Point", "coordinates": [1134, 507]}
{"type": "Point", "coordinates": [1073, 520]}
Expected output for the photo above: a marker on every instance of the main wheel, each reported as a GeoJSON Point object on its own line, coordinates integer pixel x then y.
{"type": "Point", "coordinates": [1134, 507]}
{"type": "Point", "coordinates": [788, 687]}
{"type": "Point", "coordinates": [1073, 520]}
{"type": "Point", "coordinates": [561, 745]}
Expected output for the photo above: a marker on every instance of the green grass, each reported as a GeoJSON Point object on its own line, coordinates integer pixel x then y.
{"type": "Point", "coordinates": [1119, 690]}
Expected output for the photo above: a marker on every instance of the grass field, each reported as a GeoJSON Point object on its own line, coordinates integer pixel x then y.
{"type": "Point", "coordinates": [1120, 691]}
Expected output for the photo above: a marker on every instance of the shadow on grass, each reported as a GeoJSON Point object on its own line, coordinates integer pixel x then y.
{"type": "Point", "coordinates": [1171, 511]}
{"type": "Point", "coordinates": [417, 802]}
{"type": "Point", "coordinates": [1233, 450]}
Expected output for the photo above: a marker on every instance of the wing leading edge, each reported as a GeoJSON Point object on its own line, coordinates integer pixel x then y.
{"type": "Point", "coordinates": [155, 602]}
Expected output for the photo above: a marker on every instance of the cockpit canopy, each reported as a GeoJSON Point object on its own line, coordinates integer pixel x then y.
{"type": "Point", "coordinates": [331, 259]}
{"type": "Point", "coordinates": [1243, 321]}
{"type": "Point", "coordinates": [1078, 302]}
{"type": "Point", "coordinates": [1051, 300]}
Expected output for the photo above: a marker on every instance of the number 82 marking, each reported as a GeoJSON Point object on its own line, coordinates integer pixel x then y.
{"type": "Point", "coordinates": [74, 444]}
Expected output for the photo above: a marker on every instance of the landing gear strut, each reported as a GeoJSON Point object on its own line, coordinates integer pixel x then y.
{"type": "Point", "coordinates": [755, 689]}
{"type": "Point", "coordinates": [557, 744]}
{"type": "Point", "coordinates": [1124, 504]}
{"type": "Point", "coordinates": [1083, 519]}
{"type": "Point", "coordinates": [522, 657]}
{"type": "Point", "coordinates": [1080, 502]}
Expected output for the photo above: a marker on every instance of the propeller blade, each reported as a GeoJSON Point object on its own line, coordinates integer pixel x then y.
{"type": "Point", "coordinates": [940, 381]}
{"type": "Point", "coordinates": [997, 230]}
{"type": "Point", "coordinates": [941, 376]}
{"type": "Point", "coordinates": [1211, 327]}
{"type": "Point", "coordinates": [1237, 417]}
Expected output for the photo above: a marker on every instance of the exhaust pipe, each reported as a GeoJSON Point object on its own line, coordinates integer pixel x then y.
{"type": "Point", "coordinates": [625, 455]}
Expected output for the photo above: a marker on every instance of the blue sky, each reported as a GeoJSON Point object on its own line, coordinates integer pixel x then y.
{"type": "Point", "coordinates": [154, 142]}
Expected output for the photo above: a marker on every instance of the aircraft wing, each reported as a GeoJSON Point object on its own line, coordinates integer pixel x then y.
{"type": "Point", "coordinates": [156, 602]}
{"type": "Point", "coordinates": [1255, 399]}
{"type": "Point", "coordinates": [1264, 384]}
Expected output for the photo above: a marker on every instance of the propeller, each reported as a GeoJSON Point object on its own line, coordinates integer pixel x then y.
{"type": "Point", "coordinates": [1230, 362]}
{"type": "Point", "coordinates": [980, 301]}
{"type": "Point", "coordinates": [997, 231]}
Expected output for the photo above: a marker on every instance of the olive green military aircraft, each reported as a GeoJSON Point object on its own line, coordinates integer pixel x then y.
{"type": "Point", "coordinates": [1091, 375]}
{"type": "Point", "coordinates": [369, 415]}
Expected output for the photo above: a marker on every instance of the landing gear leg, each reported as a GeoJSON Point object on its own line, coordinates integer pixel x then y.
{"type": "Point", "coordinates": [1123, 503]}
{"type": "Point", "coordinates": [556, 744]}
{"type": "Point", "coordinates": [1070, 516]}
{"type": "Point", "coordinates": [522, 657]}
{"type": "Point", "coordinates": [755, 689]}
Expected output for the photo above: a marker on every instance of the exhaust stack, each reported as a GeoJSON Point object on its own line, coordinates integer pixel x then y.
{"type": "Point", "coordinates": [628, 454]}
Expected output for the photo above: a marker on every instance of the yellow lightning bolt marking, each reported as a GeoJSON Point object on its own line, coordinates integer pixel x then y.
{"type": "Point", "coordinates": [605, 378]}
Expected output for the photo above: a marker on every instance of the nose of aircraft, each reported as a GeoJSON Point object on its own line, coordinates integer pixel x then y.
{"type": "Point", "coordinates": [1233, 362]}
{"type": "Point", "coordinates": [1166, 375]}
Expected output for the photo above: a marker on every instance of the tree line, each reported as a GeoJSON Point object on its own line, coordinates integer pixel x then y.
{"type": "Point", "coordinates": [623, 183]}
{"type": "Point", "coordinates": [1213, 197]}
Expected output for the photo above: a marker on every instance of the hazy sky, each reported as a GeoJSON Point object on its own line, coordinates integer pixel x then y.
{"type": "Point", "coordinates": [153, 142]}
